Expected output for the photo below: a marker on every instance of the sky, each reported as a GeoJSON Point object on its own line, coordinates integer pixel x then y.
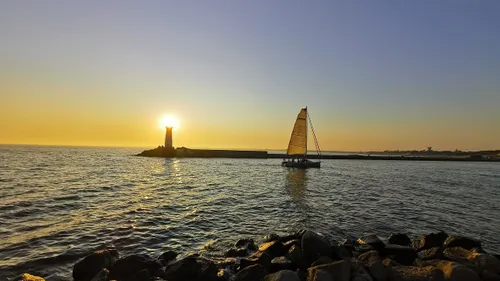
{"type": "Point", "coordinates": [375, 75]}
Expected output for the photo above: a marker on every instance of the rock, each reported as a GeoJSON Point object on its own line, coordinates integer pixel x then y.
{"type": "Point", "coordinates": [283, 275]}
{"type": "Point", "coordinates": [314, 246]}
{"type": "Point", "coordinates": [322, 260]}
{"type": "Point", "coordinates": [372, 262]}
{"type": "Point", "coordinates": [224, 275]}
{"type": "Point", "coordinates": [102, 275]}
{"type": "Point", "coordinates": [402, 254]}
{"type": "Point", "coordinates": [390, 263]}
{"type": "Point", "coordinates": [261, 258]}
{"type": "Point", "coordinates": [92, 264]}
{"type": "Point", "coordinates": [319, 275]}
{"type": "Point", "coordinates": [290, 243]}
{"type": "Point", "coordinates": [358, 271]}
{"type": "Point", "coordinates": [252, 273]}
{"type": "Point", "coordinates": [274, 248]}
{"type": "Point", "coordinates": [284, 239]}
{"type": "Point", "coordinates": [29, 277]}
{"type": "Point", "coordinates": [296, 256]}
{"type": "Point", "coordinates": [363, 248]}
{"type": "Point", "coordinates": [489, 276]}
{"type": "Point", "coordinates": [457, 254]}
{"type": "Point", "coordinates": [142, 275]}
{"type": "Point", "coordinates": [167, 257]}
{"type": "Point", "coordinates": [460, 241]}
{"type": "Point", "coordinates": [271, 237]}
{"type": "Point", "coordinates": [280, 263]}
{"type": "Point", "coordinates": [485, 262]}
{"type": "Point", "coordinates": [496, 256]}
{"type": "Point", "coordinates": [399, 239]}
{"type": "Point", "coordinates": [245, 243]}
{"type": "Point", "coordinates": [127, 267]}
{"type": "Point", "coordinates": [456, 272]}
{"type": "Point", "coordinates": [236, 252]}
{"type": "Point", "coordinates": [429, 241]}
{"type": "Point", "coordinates": [430, 254]}
{"type": "Point", "coordinates": [191, 268]}
{"type": "Point", "coordinates": [478, 250]}
{"type": "Point", "coordinates": [371, 240]}
{"type": "Point", "coordinates": [413, 273]}
{"type": "Point", "coordinates": [341, 252]}
{"type": "Point", "coordinates": [339, 270]}
{"type": "Point", "coordinates": [350, 241]}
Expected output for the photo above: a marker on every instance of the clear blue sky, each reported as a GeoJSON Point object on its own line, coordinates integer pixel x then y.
{"type": "Point", "coordinates": [375, 74]}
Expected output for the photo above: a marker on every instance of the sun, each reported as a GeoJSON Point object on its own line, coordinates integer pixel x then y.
{"type": "Point", "coordinates": [169, 121]}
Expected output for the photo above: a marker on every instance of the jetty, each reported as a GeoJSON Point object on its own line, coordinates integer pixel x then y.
{"type": "Point", "coordinates": [183, 152]}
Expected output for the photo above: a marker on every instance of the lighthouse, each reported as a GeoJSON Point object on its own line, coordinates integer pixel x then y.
{"type": "Point", "coordinates": [168, 137]}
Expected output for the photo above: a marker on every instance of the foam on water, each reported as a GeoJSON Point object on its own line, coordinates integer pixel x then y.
{"type": "Point", "coordinates": [58, 204]}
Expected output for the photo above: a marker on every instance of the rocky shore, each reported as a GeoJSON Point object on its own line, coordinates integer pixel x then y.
{"type": "Point", "coordinates": [305, 256]}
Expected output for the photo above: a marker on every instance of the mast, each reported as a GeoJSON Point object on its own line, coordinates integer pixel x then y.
{"type": "Point", "coordinates": [305, 155]}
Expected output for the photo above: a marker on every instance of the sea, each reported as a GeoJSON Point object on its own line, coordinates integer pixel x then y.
{"type": "Point", "coordinates": [58, 204]}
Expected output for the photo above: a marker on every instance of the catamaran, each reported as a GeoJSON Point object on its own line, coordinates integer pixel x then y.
{"type": "Point", "coordinates": [297, 147]}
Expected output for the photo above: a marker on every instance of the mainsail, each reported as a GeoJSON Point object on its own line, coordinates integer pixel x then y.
{"type": "Point", "coordinates": [298, 140]}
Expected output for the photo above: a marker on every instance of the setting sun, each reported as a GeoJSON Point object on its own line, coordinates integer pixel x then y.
{"type": "Point", "coordinates": [169, 121]}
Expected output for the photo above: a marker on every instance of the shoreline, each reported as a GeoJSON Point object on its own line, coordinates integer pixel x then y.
{"type": "Point", "coordinates": [183, 152]}
{"type": "Point", "coordinates": [304, 255]}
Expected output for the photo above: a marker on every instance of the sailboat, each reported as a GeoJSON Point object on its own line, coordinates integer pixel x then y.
{"type": "Point", "coordinates": [297, 147]}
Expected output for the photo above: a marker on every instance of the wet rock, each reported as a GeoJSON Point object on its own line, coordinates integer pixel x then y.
{"type": "Point", "coordinates": [29, 277]}
{"type": "Point", "coordinates": [402, 254]}
{"type": "Point", "coordinates": [341, 252]}
{"type": "Point", "coordinates": [314, 246]}
{"type": "Point", "coordinates": [413, 273]}
{"type": "Point", "coordinates": [478, 250]}
{"type": "Point", "coordinates": [223, 275]}
{"type": "Point", "coordinates": [261, 258]}
{"type": "Point", "coordinates": [102, 275]}
{"type": "Point", "coordinates": [92, 264]}
{"type": "Point", "coordinates": [399, 239]}
{"type": "Point", "coordinates": [167, 257]}
{"type": "Point", "coordinates": [485, 262]}
{"type": "Point", "coordinates": [320, 275]}
{"type": "Point", "coordinates": [457, 272]}
{"type": "Point", "coordinates": [322, 260]}
{"type": "Point", "coordinates": [271, 237]}
{"type": "Point", "coordinates": [489, 276]}
{"type": "Point", "coordinates": [462, 242]}
{"type": "Point", "coordinates": [284, 239]}
{"type": "Point", "coordinates": [191, 268]}
{"type": "Point", "coordinates": [236, 252]}
{"type": "Point", "coordinates": [274, 248]}
{"type": "Point", "coordinates": [280, 263]}
{"type": "Point", "coordinates": [350, 241]}
{"type": "Point", "coordinates": [290, 243]}
{"type": "Point", "coordinates": [339, 270]}
{"type": "Point", "coordinates": [251, 273]}
{"type": "Point", "coordinates": [296, 256]}
{"type": "Point", "coordinates": [283, 275]}
{"type": "Point", "coordinates": [429, 241]}
{"type": "Point", "coordinates": [246, 243]}
{"type": "Point", "coordinates": [371, 240]}
{"type": "Point", "coordinates": [358, 271]}
{"type": "Point", "coordinates": [496, 256]}
{"type": "Point", "coordinates": [430, 254]}
{"type": "Point", "coordinates": [372, 262]}
{"type": "Point", "coordinates": [457, 254]}
{"type": "Point", "coordinates": [390, 263]}
{"type": "Point", "coordinates": [142, 275]}
{"type": "Point", "coordinates": [363, 248]}
{"type": "Point", "coordinates": [127, 267]}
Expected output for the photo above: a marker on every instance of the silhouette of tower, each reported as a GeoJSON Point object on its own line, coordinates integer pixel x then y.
{"type": "Point", "coordinates": [168, 137]}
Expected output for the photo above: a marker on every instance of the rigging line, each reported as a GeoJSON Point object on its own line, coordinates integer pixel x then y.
{"type": "Point", "coordinates": [316, 143]}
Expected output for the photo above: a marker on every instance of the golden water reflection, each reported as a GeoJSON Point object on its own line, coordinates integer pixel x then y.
{"type": "Point", "coordinates": [296, 184]}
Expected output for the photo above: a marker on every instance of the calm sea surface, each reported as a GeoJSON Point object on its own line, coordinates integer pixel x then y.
{"type": "Point", "coordinates": [59, 203]}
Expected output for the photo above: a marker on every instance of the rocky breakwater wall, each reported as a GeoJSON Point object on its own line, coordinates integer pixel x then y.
{"type": "Point", "coordinates": [305, 256]}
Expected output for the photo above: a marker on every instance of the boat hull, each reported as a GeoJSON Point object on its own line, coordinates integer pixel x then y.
{"type": "Point", "coordinates": [301, 164]}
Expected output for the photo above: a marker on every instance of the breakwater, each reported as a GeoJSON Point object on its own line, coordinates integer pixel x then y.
{"type": "Point", "coordinates": [208, 153]}
{"type": "Point", "coordinates": [304, 255]}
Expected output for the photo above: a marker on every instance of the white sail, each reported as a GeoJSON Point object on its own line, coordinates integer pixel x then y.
{"type": "Point", "coordinates": [298, 140]}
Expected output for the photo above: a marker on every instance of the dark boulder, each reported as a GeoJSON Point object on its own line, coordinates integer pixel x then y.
{"type": "Point", "coordinates": [414, 273]}
{"type": "Point", "coordinates": [296, 256]}
{"type": "Point", "coordinates": [320, 275]}
{"type": "Point", "coordinates": [254, 272]}
{"type": "Point", "coordinates": [284, 239]}
{"type": "Point", "coordinates": [322, 260]}
{"type": "Point", "coordinates": [457, 272]}
{"type": "Point", "coordinates": [236, 252]}
{"type": "Point", "coordinates": [314, 246]}
{"type": "Point", "coordinates": [127, 267]}
{"type": "Point", "coordinates": [429, 241]}
{"type": "Point", "coordinates": [489, 276]}
{"type": "Point", "coordinates": [92, 264]}
{"type": "Point", "coordinates": [341, 252]}
{"type": "Point", "coordinates": [371, 240]}
{"type": "Point", "coordinates": [390, 263]}
{"type": "Point", "coordinates": [102, 275]}
{"type": "Point", "coordinates": [339, 270]}
{"type": "Point", "coordinates": [363, 248]}
{"type": "Point", "coordinates": [142, 275]}
{"type": "Point", "coordinates": [191, 268]}
{"type": "Point", "coordinates": [274, 248]}
{"type": "Point", "coordinates": [399, 239]}
{"type": "Point", "coordinates": [462, 242]}
{"type": "Point", "coordinates": [29, 277]}
{"type": "Point", "coordinates": [261, 258]}
{"type": "Point", "coordinates": [290, 243]}
{"type": "Point", "coordinates": [430, 254]}
{"type": "Point", "coordinates": [402, 254]}
{"type": "Point", "coordinates": [167, 257]}
{"type": "Point", "coordinates": [246, 243]}
{"type": "Point", "coordinates": [373, 263]}
{"type": "Point", "coordinates": [280, 263]}
{"type": "Point", "coordinates": [283, 275]}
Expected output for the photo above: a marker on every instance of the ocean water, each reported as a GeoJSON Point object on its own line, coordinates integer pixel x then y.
{"type": "Point", "coordinates": [58, 204]}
